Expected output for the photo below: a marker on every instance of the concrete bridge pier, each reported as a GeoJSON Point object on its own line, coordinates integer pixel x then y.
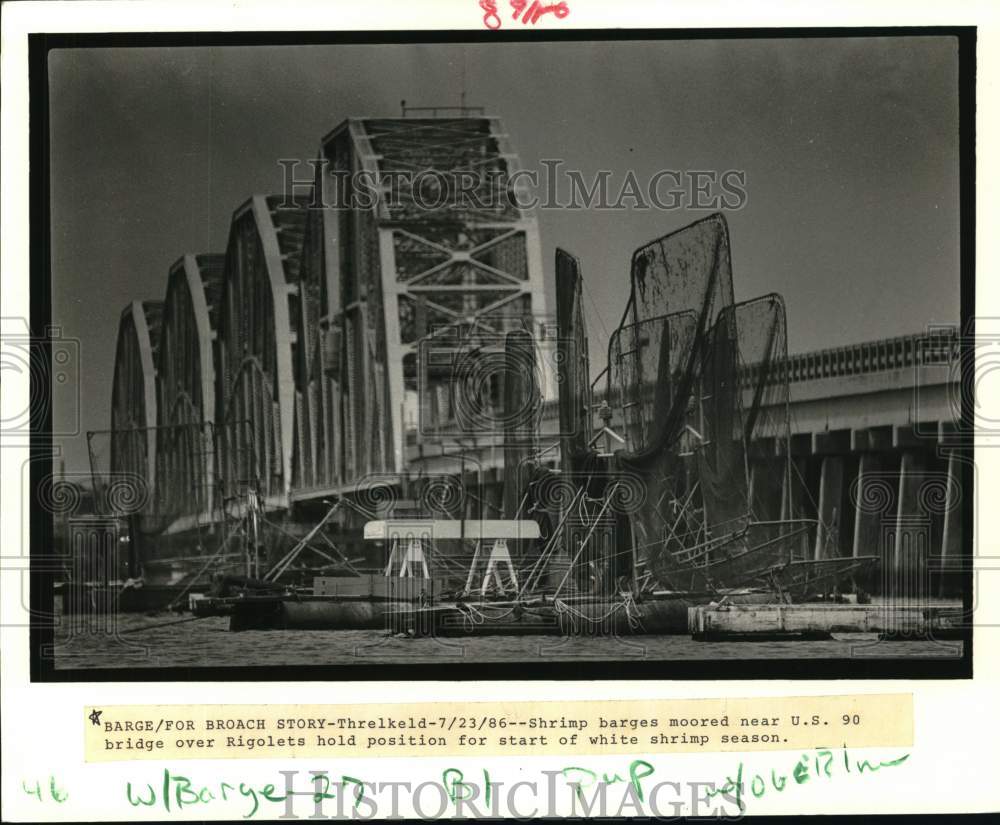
{"type": "Point", "coordinates": [830, 510]}
{"type": "Point", "coordinates": [874, 495]}
{"type": "Point", "coordinates": [907, 579]}
{"type": "Point", "coordinates": [795, 504]}
{"type": "Point", "coordinates": [951, 530]}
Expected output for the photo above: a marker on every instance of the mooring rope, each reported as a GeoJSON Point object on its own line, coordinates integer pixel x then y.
{"type": "Point", "coordinates": [632, 614]}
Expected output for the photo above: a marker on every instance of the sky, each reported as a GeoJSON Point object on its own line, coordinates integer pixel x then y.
{"type": "Point", "coordinates": [849, 146]}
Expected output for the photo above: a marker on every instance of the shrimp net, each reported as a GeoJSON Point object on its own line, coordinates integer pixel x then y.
{"type": "Point", "coordinates": [697, 383]}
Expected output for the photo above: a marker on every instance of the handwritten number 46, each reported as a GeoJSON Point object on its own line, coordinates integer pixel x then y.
{"type": "Point", "coordinates": [57, 794]}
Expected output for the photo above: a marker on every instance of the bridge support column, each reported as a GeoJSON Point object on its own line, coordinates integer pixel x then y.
{"type": "Point", "coordinates": [951, 539]}
{"type": "Point", "coordinates": [951, 534]}
{"type": "Point", "coordinates": [911, 536]}
{"type": "Point", "coordinates": [874, 497]}
{"type": "Point", "coordinates": [831, 487]}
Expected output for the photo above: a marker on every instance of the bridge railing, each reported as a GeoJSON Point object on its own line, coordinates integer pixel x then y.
{"type": "Point", "coordinates": [902, 352]}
